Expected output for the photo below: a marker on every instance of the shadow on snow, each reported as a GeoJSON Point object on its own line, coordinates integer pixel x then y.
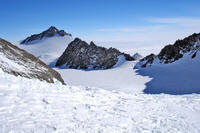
{"type": "Point", "coordinates": [173, 79]}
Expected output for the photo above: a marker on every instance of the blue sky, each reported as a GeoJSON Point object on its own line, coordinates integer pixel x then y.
{"type": "Point", "coordinates": [102, 20]}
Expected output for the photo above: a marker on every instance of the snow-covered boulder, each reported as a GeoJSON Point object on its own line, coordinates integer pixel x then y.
{"type": "Point", "coordinates": [81, 55]}
{"type": "Point", "coordinates": [16, 61]}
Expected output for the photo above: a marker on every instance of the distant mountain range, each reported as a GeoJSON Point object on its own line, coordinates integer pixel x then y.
{"type": "Point", "coordinates": [56, 47]}
{"type": "Point", "coordinates": [174, 70]}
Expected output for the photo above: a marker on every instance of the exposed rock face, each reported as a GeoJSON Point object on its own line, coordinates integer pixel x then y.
{"type": "Point", "coordinates": [169, 53]}
{"type": "Point", "coordinates": [172, 53]}
{"type": "Point", "coordinates": [147, 60]}
{"type": "Point", "coordinates": [16, 61]}
{"type": "Point", "coordinates": [52, 31]}
{"type": "Point", "coordinates": [80, 55]}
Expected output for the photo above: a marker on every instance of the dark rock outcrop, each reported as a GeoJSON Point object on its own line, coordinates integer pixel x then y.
{"type": "Point", "coordinates": [18, 62]}
{"type": "Point", "coordinates": [172, 53]}
{"type": "Point", "coordinates": [169, 53]}
{"type": "Point", "coordinates": [52, 31]}
{"type": "Point", "coordinates": [147, 60]}
{"type": "Point", "coordinates": [80, 55]}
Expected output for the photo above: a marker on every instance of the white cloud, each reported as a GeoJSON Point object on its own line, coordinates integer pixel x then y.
{"type": "Point", "coordinates": [162, 29]}
{"type": "Point", "coordinates": [131, 29]}
{"type": "Point", "coordinates": [186, 22]}
{"type": "Point", "coordinates": [157, 33]}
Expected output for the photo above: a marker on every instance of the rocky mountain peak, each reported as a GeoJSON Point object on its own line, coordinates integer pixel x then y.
{"type": "Point", "coordinates": [50, 32]}
{"type": "Point", "coordinates": [81, 55]}
{"type": "Point", "coordinates": [92, 43]}
{"type": "Point", "coordinates": [52, 28]}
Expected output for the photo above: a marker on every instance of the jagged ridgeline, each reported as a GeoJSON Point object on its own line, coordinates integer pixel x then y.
{"type": "Point", "coordinates": [78, 54]}
{"type": "Point", "coordinates": [18, 62]}
{"type": "Point", "coordinates": [52, 31]}
{"type": "Point", "coordinates": [81, 55]}
{"type": "Point", "coordinates": [171, 53]}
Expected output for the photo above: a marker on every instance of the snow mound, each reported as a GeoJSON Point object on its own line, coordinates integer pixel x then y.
{"type": "Point", "coordinates": [34, 106]}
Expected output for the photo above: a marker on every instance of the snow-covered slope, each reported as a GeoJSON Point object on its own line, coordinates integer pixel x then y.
{"type": "Point", "coordinates": [180, 77]}
{"type": "Point", "coordinates": [175, 70]}
{"type": "Point", "coordinates": [122, 77]}
{"type": "Point", "coordinates": [34, 106]}
{"type": "Point", "coordinates": [18, 62]}
{"type": "Point", "coordinates": [48, 49]}
{"type": "Point", "coordinates": [172, 53]}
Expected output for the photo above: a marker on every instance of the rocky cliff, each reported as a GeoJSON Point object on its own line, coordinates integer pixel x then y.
{"type": "Point", "coordinates": [81, 55]}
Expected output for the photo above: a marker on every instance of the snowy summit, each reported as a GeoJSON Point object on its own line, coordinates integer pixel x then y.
{"type": "Point", "coordinates": [51, 32]}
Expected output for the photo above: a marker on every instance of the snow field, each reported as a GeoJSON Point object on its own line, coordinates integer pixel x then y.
{"type": "Point", "coordinates": [32, 106]}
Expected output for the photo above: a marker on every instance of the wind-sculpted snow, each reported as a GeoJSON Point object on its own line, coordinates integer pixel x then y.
{"type": "Point", "coordinates": [32, 106]}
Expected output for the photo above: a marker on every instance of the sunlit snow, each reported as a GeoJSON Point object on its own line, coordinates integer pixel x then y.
{"type": "Point", "coordinates": [33, 106]}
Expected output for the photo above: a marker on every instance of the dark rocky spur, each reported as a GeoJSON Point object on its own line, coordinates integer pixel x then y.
{"type": "Point", "coordinates": [81, 55]}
